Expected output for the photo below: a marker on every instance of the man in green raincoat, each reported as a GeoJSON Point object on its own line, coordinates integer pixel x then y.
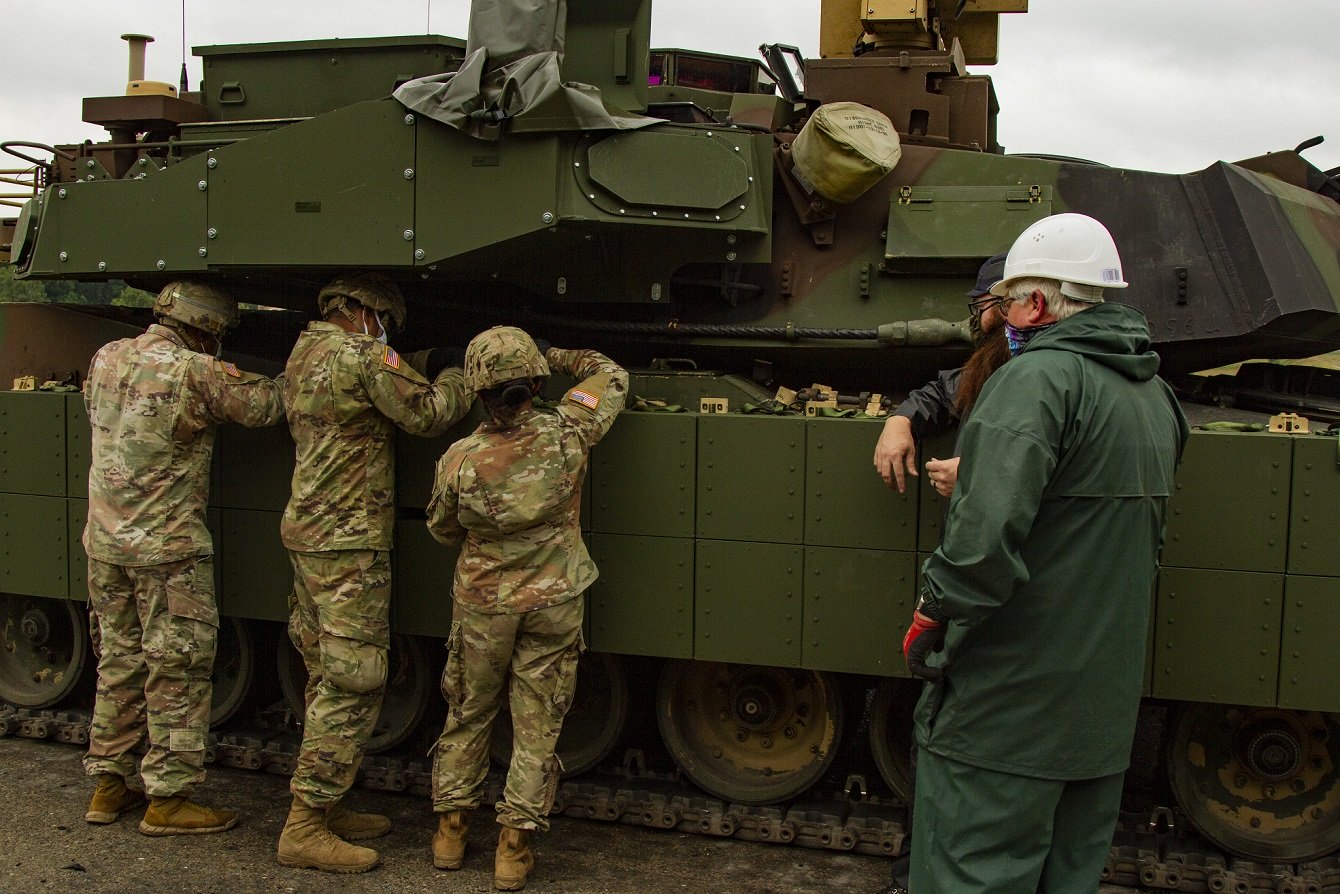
{"type": "Point", "coordinates": [1034, 611]}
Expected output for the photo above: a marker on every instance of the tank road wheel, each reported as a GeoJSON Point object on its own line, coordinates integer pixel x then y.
{"type": "Point", "coordinates": [43, 648]}
{"type": "Point", "coordinates": [1260, 782]}
{"type": "Point", "coordinates": [234, 669]}
{"type": "Point", "coordinates": [407, 682]}
{"type": "Point", "coordinates": [891, 732]}
{"type": "Point", "coordinates": [594, 723]}
{"type": "Point", "coordinates": [749, 734]}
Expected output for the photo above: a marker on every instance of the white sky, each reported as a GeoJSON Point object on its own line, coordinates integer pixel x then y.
{"type": "Point", "coordinates": [1150, 84]}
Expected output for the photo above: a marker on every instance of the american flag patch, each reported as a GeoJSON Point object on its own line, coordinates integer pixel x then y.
{"type": "Point", "coordinates": [391, 358]}
{"type": "Point", "coordinates": [231, 369]}
{"type": "Point", "coordinates": [585, 398]}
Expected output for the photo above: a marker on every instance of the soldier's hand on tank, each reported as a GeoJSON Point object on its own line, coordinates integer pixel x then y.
{"type": "Point", "coordinates": [925, 636]}
{"type": "Point", "coordinates": [543, 346]}
{"type": "Point", "coordinates": [943, 474]}
{"type": "Point", "coordinates": [896, 452]}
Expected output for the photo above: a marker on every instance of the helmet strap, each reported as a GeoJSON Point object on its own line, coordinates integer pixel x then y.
{"type": "Point", "coordinates": [195, 338]}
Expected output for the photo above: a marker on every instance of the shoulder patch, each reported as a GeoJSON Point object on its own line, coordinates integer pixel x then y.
{"type": "Point", "coordinates": [231, 369]}
{"type": "Point", "coordinates": [390, 357]}
{"type": "Point", "coordinates": [585, 398]}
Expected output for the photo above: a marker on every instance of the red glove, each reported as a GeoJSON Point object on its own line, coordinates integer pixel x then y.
{"type": "Point", "coordinates": [925, 636]}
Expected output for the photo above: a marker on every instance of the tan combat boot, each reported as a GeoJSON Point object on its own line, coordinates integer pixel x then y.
{"type": "Point", "coordinates": [178, 815]}
{"type": "Point", "coordinates": [513, 861]}
{"type": "Point", "coordinates": [354, 826]}
{"type": "Point", "coordinates": [307, 843]}
{"type": "Point", "coordinates": [112, 798]}
{"type": "Point", "coordinates": [449, 840]}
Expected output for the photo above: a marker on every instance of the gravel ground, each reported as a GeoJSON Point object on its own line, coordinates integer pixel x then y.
{"type": "Point", "coordinates": [45, 846]}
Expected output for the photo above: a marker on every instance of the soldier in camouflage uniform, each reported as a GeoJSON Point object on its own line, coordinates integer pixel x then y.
{"type": "Point", "coordinates": [154, 402]}
{"type": "Point", "coordinates": [511, 492]}
{"type": "Point", "coordinates": [346, 392]}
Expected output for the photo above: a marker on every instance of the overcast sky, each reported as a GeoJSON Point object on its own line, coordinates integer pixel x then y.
{"type": "Point", "coordinates": [1149, 84]}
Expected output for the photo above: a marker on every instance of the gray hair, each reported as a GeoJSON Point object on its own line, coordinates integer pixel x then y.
{"type": "Point", "coordinates": [1058, 305]}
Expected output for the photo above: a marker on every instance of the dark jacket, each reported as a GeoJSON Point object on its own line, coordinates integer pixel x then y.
{"type": "Point", "coordinates": [930, 409]}
{"type": "Point", "coordinates": [1047, 564]}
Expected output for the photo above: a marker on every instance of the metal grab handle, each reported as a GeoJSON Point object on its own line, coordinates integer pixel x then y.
{"type": "Point", "coordinates": [9, 145]}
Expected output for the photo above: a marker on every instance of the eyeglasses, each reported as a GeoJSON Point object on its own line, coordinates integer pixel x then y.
{"type": "Point", "coordinates": [981, 305]}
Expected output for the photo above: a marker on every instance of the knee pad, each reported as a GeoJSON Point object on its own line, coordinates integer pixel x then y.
{"type": "Point", "coordinates": [353, 666]}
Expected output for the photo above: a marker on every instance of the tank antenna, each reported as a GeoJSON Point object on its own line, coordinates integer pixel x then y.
{"type": "Point", "coordinates": [182, 91]}
{"type": "Point", "coordinates": [428, 21]}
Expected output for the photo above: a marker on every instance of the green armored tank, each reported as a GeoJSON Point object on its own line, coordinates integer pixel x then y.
{"type": "Point", "coordinates": [779, 250]}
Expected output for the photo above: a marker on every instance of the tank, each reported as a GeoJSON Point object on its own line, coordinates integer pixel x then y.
{"type": "Point", "coordinates": [680, 211]}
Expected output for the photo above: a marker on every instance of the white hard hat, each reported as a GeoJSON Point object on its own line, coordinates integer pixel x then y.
{"type": "Point", "coordinates": [1072, 248]}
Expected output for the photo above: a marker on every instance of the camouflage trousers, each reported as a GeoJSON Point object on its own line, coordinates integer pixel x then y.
{"type": "Point", "coordinates": [339, 619]}
{"type": "Point", "coordinates": [157, 626]}
{"type": "Point", "coordinates": [535, 654]}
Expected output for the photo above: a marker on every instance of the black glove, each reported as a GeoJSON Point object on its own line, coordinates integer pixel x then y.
{"type": "Point", "coordinates": [431, 361]}
{"type": "Point", "coordinates": [925, 636]}
{"type": "Point", "coordinates": [543, 345]}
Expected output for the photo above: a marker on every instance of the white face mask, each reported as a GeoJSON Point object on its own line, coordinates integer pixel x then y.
{"type": "Point", "coordinates": [381, 335]}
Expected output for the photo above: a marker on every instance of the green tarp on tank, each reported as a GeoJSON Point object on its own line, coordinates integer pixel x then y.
{"type": "Point", "coordinates": [512, 73]}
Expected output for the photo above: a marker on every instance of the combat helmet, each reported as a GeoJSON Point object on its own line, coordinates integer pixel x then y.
{"type": "Point", "coordinates": [375, 291]}
{"type": "Point", "coordinates": [502, 354]}
{"type": "Point", "coordinates": [197, 304]}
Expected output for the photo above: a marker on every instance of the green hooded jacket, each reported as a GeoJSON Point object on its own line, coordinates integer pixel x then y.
{"type": "Point", "coordinates": [1046, 568]}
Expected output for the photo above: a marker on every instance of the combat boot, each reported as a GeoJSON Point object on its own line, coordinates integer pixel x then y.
{"type": "Point", "coordinates": [513, 861]}
{"type": "Point", "coordinates": [449, 840]}
{"type": "Point", "coordinates": [178, 815]}
{"type": "Point", "coordinates": [307, 844]}
{"type": "Point", "coordinates": [112, 798]}
{"type": "Point", "coordinates": [354, 826]}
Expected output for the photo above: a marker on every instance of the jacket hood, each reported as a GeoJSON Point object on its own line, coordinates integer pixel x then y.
{"type": "Point", "coordinates": [1115, 335]}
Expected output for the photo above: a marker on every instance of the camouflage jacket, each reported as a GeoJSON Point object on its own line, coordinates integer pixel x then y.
{"type": "Point", "coordinates": [345, 393]}
{"type": "Point", "coordinates": [513, 494]}
{"type": "Point", "coordinates": [154, 404]}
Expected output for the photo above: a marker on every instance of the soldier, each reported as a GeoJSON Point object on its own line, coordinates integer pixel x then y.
{"type": "Point", "coordinates": [346, 392]}
{"type": "Point", "coordinates": [511, 491]}
{"type": "Point", "coordinates": [154, 402]}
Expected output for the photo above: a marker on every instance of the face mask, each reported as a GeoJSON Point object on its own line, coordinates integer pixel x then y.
{"type": "Point", "coordinates": [1018, 338]}
{"type": "Point", "coordinates": [381, 335]}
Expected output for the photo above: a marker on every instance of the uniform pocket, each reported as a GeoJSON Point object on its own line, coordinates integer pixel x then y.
{"type": "Point", "coordinates": [453, 674]}
{"type": "Point", "coordinates": [190, 593]}
{"type": "Point", "coordinates": [567, 676]}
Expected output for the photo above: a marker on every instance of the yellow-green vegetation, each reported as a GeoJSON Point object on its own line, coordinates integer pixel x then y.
{"type": "Point", "coordinates": [69, 292]}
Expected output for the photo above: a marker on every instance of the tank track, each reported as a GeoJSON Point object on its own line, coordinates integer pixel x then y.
{"type": "Point", "coordinates": [1154, 853]}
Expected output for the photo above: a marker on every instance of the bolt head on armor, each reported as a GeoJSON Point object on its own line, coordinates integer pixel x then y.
{"type": "Point", "coordinates": [502, 354]}
{"type": "Point", "coordinates": [374, 291]}
{"type": "Point", "coordinates": [197, 304]}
